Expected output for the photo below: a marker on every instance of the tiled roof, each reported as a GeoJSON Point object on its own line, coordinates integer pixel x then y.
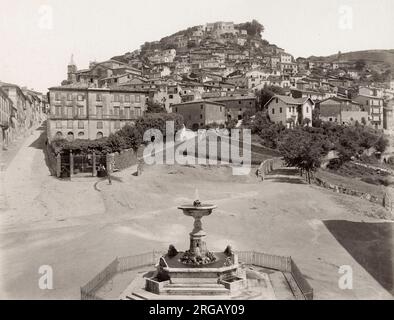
{"type": "Point", "coordinates": [235, 98]}
{"type": "Point", "coordinates": [197, 101]}
{"type": "Point", "coordinates": [290, 100]}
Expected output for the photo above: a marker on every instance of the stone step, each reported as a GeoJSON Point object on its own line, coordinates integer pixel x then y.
{"type": "Point", "coordinates": [194, 291]}
{"type": "Point", "coordinates": [136, 296]}
{"type": "Point", "coordinates": [193, 285]}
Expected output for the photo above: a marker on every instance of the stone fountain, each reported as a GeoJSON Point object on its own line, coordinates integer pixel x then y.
{"type": "Point", "coordinates": [198, 253]}
{"type": "Point", "coordinates": [197, 271]}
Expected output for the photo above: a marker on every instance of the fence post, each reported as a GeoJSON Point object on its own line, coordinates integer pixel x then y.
{"type": "Point", "coordinates": [58, 165]}
{"type": "Point", "coordinates": [71, 164]}
{"type": "Point", "coordinates": [94, 171]}
{"type": "Point", "coordinates": [108, 167]}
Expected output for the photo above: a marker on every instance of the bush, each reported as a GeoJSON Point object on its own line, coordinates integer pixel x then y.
{"type": "Point", "coordinates": [158, 121]}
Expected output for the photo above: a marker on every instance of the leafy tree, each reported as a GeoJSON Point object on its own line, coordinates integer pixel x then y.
{"type": "Point", "coordinates": [360, 64]}
{"type": "Point", "coordinates": [303, 150]}
{"type": "Point", "coordinates": [153, 107]}
{"type": "Point", "coordinates": [253, 28]}
{"type": "Point", "coordinates": [265, 94]}
{"type": "Point", "coordinates": [316, 122]}
{"type": "Point", "coordinates": [256, 122]}
{"type": "Point", "coordinates": [381, 144]}
{"type": "Point", "coordinates": [271, 134]}
{"type": "Point", "coordinates": [158, 121]}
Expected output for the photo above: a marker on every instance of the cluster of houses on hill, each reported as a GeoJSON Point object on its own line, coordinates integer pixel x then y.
{"type": "Point", "coordinates": [21, 110]}
{"type": "Point", "coordinates": [213, 73]}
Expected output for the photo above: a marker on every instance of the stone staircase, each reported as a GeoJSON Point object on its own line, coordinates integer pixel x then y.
{"type": "Point", "coordinates": [195, 289]}
{"type": "Point", "coordinates": [173, 291]}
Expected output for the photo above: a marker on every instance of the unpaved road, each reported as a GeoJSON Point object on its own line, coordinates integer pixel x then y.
{"type": "Point", "coordinates": [78, 229]}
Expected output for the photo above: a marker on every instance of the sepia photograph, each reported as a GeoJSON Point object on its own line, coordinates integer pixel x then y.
{"type": "Point", "coordinates": [208, 151]}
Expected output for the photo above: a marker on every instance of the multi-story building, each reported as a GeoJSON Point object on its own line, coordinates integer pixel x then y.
{"type": "Point", "coordinates": [6, 112]}
{"type": "Point", "coordinates": [374, 106]}
{"type": "Point", "coordinates": [289, 111]}
{"type": "Point", "coordinates": [236, 106]}
{"type": "Point", "coordinates": [388, 116]}
{"type": "Point", "coordinates": [198, 113]}
{"type": "Point", "coordinates": [97, 71]}
{"type": "Point", "coordinates": [342, 111]}
{"type": "Point", "coordinates": [92, 113]}
{"type": "Point", "coordinates": [19, 101]}
{"type": "Point", "coordinates": [23, 108]}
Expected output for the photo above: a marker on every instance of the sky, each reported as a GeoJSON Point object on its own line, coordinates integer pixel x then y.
{"type": "Point", "coordinates": [37, 37]}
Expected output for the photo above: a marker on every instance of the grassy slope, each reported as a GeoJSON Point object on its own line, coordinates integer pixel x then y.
{"type": "Point", "coordinates": [372, 57]}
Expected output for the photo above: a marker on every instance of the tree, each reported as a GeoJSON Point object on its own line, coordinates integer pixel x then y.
{"type": "Point", "coordinates": [381, 144]}
{"type": "Point", "coordinates": [360, 64]}
{"type": "Point", "coordinates": [303, 150]}
{"type": "Point", "coordinates": [256, 122]}
{"type": "Point", "coordinates": [253, 28]}
{"type": "Point", "coordinates": [316, 122]}
{"type": "Point", "coordinates": [265, 94]}
{"type": "Point", "coordinates": [271, 134]}
{"type": "Point", "coordinates": [158, 121]}
{"type": "Point", "coordinates": [154, 107]}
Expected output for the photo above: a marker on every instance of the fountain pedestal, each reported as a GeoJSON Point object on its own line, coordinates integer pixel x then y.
{"type": "Point", "coordinates": [198, 253]}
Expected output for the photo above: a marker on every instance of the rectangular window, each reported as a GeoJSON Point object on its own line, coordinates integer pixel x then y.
{"type": "Point", "coordinates": [138, 98]}
{"type": "Point", "coordinates": [273, 111]}
{"type": "Point", "coordinates": [80, 124]}
{"type": "Point", "coordinates": [116, 111]}
{"type": "Point", "coordinates": [80, 111]}
{"type": "Point", "coordinates": [137, 112]}
{"type": "Point", "coordinates": [117, 124]}
{"type": "Point", "coordinates": [69, 124]}
{"type": "Point", "coordinates": [69, 97]}
{"type": "Point", "coordinates": [116, 98]}
{"type": "Point", "coordinates": [99, 112]}
{"type": "Point", "coordinates": [99, 125]}
{"type": "Point", "coordinates": [132, 98]}
{"type": "Point", "coordinates": [58, 111]}
{"type": "Point", "coordinates": [127, 98]}
{"type": "Point", "coordinates": [98, 97]}
{"type": "Point", "coordinates": [200, 116]}
{"type": "Point", "coordinates": [80, 97]}
{"type": "Point", "coordinates": [69, 112]}
{"type": "Point", "coordinates": [127, 113]}
{"type": "Point", "coordinates": [58, 124]}
{"type": "Point", "coordinates": [280, 110]}
{"type": "Point", "coordinates": [121, 98]}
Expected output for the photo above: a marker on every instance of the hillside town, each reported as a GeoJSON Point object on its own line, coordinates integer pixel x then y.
{"type": "Point", "coordinates": [219, 63]}
{"type": "Point", "coordinates": [290, 157]}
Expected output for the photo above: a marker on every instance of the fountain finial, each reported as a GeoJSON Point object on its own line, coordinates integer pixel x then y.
{"type": "Point", "coordinates": [197, 203]}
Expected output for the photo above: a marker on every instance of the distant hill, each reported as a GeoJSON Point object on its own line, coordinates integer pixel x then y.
{"type": "Point", "coordinates": [377, 59]}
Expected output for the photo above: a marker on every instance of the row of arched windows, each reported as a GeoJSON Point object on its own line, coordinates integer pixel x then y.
{"type": "Point", "coordinates": [81, 134]}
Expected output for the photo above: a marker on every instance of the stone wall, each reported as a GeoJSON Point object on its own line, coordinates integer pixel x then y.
{"type": "Point", "coordinates": [266, 167]}
{"type": "Point", "coordinates": [344, 190]}
{"type": "Point", "coordinates": [51, 160]}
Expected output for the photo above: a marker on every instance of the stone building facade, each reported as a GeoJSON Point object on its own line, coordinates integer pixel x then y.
{"type": "Point", "coordinates": [198, 113]}
{"type": "Point", "coordinates": [92, 113]}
